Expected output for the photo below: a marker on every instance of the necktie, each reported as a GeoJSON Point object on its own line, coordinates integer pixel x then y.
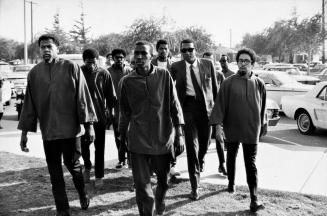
{"type": "Point", "coordinates": [196, 86]}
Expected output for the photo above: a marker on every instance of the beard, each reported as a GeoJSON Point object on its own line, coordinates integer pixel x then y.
{"type": "Point", "coordinates": [242, 72]}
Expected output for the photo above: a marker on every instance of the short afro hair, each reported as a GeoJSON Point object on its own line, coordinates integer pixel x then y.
{"type": "Point", "coordinates": [90, 54]}
{"type": "Point", "coordinates": [53, 37]}
{"type": "Point", "coordinates": [187, 41]}
{"type": "Point", "coordinates": [118, 51]}
{"type": "Point", "coordinates": [159, 42]}
{"type": "Point", "coordinates": [248, 51]}
{"type": "Point", "coordinates": [145, 43]}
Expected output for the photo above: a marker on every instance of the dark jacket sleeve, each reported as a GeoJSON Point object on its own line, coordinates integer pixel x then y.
{"type": "Point", "coordinates": [124, 109]}
{"type": "Point", "coordinates": [28, 118]}
{"type": "Point", "coordinates": [110, 94]}
{"type": "Point", "coordinates": [175, 107]}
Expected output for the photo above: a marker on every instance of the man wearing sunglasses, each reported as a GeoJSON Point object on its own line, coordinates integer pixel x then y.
{"type": "Point", "coordinates": [240, 108]}
{"type": "Point", "coordinates": [196, 86]}
{"type": "Point", "coordinates": [224, 66]}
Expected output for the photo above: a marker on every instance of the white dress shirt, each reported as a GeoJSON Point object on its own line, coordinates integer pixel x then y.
{"type": "Point", "coordinates": [189, 85]}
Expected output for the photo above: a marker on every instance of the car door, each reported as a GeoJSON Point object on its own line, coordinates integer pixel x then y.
{"type": "Point", "coordinates": [320, 108]}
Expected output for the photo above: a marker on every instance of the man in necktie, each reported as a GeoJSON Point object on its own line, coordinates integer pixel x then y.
{"type": "Point", "coordinates": [196, 86]}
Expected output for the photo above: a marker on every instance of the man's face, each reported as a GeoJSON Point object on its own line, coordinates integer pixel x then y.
{"type": "Point", "coordinates": [188, 52]}
{"type": "Point", "coordinates": [223, 62]}
{"type": "Point", "coordinates": [48, 49]}
{"type": "Point", "coordinates": [119, 59]}
{"type": "Point", "coordinates": [244, 64]}
{"type": "Point", "coordinates": [163, 51]}
{"type": "Point", "coordinates": [90, 63]}
{"type": "Point", "coordinates": [142, 56]}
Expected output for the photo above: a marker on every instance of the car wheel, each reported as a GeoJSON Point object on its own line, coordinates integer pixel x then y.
{"type": "Point", "coordinates": [304, 123]}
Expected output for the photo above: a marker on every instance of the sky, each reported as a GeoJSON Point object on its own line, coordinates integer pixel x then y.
{"type": "Point", "coordinates": [226, 20]}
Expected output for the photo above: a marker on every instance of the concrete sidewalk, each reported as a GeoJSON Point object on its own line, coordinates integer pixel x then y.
{"type": "Point", "coordinates": [280, 166]}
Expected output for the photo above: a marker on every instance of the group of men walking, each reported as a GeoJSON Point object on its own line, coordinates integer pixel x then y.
{"type": "Point", "coordinates": [156, 108]}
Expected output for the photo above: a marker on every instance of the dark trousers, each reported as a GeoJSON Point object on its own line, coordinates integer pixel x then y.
{"type": "Point", "coordinates": [250, 153]}
{"type": "Point", "coordinates": [122, 152]}
{"type": "Point", "coordinates": [70, 149]}
{"type": "Point", "coordinates": [219, 147]}
{"type": "Point", "coordinates": [141, 166]}
{"type": "Point", "coordinates": [99, 145]}
{"type": "Point", "coordinates": [197, 137]}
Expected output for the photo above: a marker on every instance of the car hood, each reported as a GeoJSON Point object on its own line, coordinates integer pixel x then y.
{"type": "Point", "coordinates": [298, 86]}
{"type": "Point", "coordinates": [305, 78]}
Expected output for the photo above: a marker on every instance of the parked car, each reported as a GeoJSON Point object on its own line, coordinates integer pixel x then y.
{"type": "Point", "coordinates": [78, 58]}
{"type": "Point", "coordinates": [6, 91]}
{"type": "Point", "coordinates": [19, 77]}
{"type": "Point", "coordinates": [322, 75]}
{"type": "Point", "coordinates": [301, 67]}
{"type": "Point", "coordinates": [309, 110]}
{"type": "Point", "coordinates": [293, 71]}
{"type": "Point", "coordinates": [279, 84]}
{"type": "Point", "coordinates": [272, 115]}
{"type": "Point", "coordinates": [5, 69]}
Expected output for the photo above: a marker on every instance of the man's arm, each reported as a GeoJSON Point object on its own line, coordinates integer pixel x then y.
{"type": "Point", "coordinates": [124, 111]}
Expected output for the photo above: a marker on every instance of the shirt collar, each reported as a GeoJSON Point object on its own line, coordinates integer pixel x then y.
{"type": "Point", "coordinates": [195, 64]}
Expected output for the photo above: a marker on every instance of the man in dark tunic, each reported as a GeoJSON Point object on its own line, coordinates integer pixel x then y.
{"type": "Point", "coordinates": [104, 98]}
{"type": "Point", "coordinates": [58, 98]}
{"type": "Point", "coordinates": [152, 119]}
{"type": "Point", "coordinates": [239, 109]}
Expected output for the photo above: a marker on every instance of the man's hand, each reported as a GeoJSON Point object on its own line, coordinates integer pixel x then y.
{"type": "Point", "coordinates": [89, 133]}
{"type": "Point", "coordinates": [123, 142]}
{"type": "Point", "coordinates": [220, 135]}
{"type": "Point", "coordinates": [23, 142]}
{"type": "Point", "coordinates": [179, 144]}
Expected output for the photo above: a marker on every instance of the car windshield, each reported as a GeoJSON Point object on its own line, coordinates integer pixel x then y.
{"type": "Point", "coordinates": [289, 70]}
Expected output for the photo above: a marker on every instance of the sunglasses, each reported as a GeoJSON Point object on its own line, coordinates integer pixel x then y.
{"type": "Point", "coordinates": [184, 50]}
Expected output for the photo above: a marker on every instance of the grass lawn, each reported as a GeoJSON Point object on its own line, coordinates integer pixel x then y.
{"type": "Point", "coordinates": [25, 189]}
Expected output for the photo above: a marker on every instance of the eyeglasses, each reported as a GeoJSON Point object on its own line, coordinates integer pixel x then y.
{"type": "Point", "coordinates": [244, 61]}
{"type": "Point", "coordinates": [184, 50]}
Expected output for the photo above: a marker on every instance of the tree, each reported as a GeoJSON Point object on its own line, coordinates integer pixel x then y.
{"type": "Point", "coordinates": [7, 49]}
{"type": "Point", "coordinates": [79, 31]}
{"type": "Point", "coordinates": [106, 43]}
{"type": "Point", "coordinates": [142, 29]}
{"type": "Point", "coordinates": [66, 45]}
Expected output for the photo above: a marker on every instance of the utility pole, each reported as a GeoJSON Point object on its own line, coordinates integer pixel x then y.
{"type": "Point", "coordinates": [25, 42]}
{"type": "Point", "coordinates": [32, 34]}
{"type": "Point", "coordinates": [230, 38]}
{"type": "Point", "coordinates": [323, 32]}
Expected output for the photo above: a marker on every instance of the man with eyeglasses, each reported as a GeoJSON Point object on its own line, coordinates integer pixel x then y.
{"type": "Point", "coordinates": [224, 66]}
{"type": "Point", "coordinates": [104, 98]}
{"type": "Point", "coordinates": [239, 115]}
{"type": "Point", "coordinates": [151, 117]}
{"type": "Point", "coordinates": [117, 71]}
{"type": "Point", "coordinates": [196, 86]}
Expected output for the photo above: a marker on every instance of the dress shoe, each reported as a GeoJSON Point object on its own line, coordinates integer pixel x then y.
{"type": "Point", "coordinates": [255, 206]}
{"type": "Point", "coordinates": [85, 202]}
{"type": "Point", "coordinates": [231, 188]}
{"type": "Point", "coordinates": [98, 182]}
{"type": "Point", "coordinates": [222, 169]}
{"type": "Point", "coordinates": [173, 172]}
{"type": "Point", "coordinates": [63, 213]}
{"type": "Point", "coordinates": [160, 208]}
{"type": "Point", "coordinates": [194, 195]}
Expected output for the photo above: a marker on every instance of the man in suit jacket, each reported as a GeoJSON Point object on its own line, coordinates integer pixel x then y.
{"type": "Point", "coordinates": [196, 86]}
